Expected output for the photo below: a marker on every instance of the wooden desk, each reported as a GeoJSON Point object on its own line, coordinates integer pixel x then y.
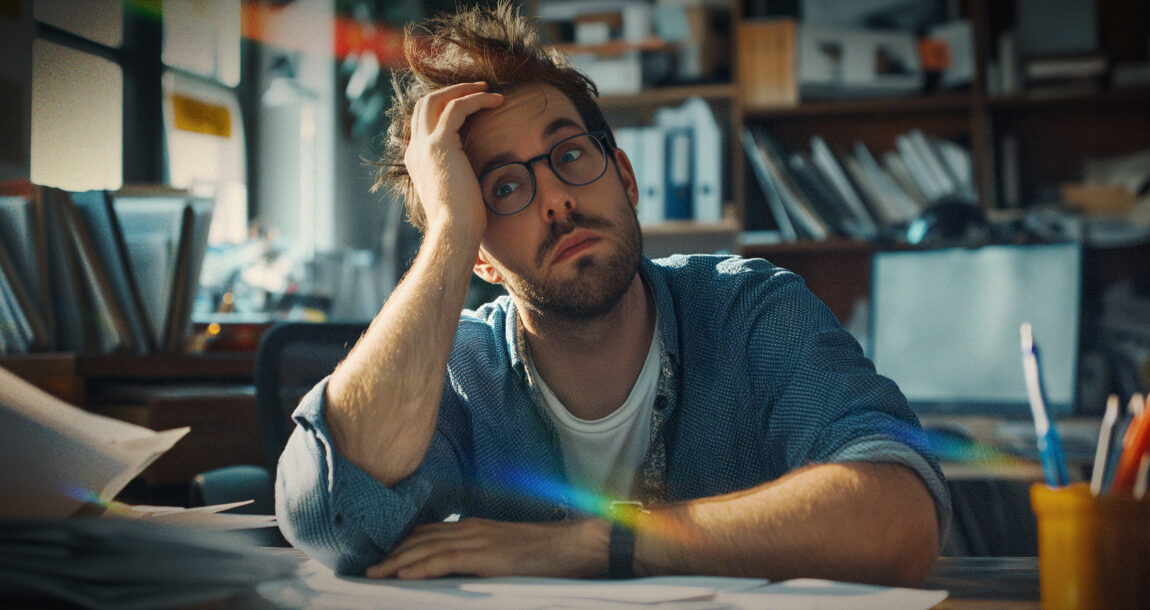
{"type": "Point", "coordinates": [986, 582]}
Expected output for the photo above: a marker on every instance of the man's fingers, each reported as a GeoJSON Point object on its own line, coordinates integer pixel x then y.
{"type": "Point", "coordinates": [419, 548]}
{"type": "Point", "coordinates": [454, 103]}
{"type": "Point", "coordinates": [446, 563]}
{"type": "Point", "coordinates": [456, 111]}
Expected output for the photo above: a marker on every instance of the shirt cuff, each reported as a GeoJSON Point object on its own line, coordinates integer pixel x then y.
{"type": "Point", "coordinates": [338, 502]}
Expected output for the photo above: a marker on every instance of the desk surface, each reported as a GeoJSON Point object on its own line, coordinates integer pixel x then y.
{"type": "Point", "coordinates": [985, 582]}
{"type": "Point", "coordinates": [981, 583]}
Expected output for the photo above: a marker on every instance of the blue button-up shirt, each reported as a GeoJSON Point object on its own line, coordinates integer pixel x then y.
{"type": "Point", "coordinates": [757, 378]}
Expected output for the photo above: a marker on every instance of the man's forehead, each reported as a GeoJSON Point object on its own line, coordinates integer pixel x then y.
{"type": "Point", "coordinates": [526, 111]}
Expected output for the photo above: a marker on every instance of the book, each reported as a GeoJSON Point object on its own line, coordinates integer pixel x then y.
{"type": "Point", "coordinates": [770, 190]}
{"type": "Point", "coordinates": [171, 337]}
{"type": "Point", "coordinates": [22, 233]}
{"type": "Point", "coordinates": [707, 171]}
{"type": "Point", "coordinates": [927, 180]}
{"type": "Point", "coordinates": [823, 197]}
{"type": "Point", "coordinates": [894, 165]}
{"type": "Point", "coordinates": [798, 208]}
{"type": "Point", "coordinates": [897, 206]}
{"type": "Point", "coordinates": [830, 168]}
{"type": "Point", "coordinates": [1064, 67]}
{"type": "Point", "coordinates": [957, 161]}
{"type": "Point", "coordinates": [152, 227]}
{"type": "Point", "coordinates": [113, 331]}
{"type": "Point", "coordinates": [104, 231]}
{"type": "Point", "coordinates": [652, 175]}
{"type": "Point", "coordinates": [15, 332]}
{"type": "Point", "coordinates": [69, 309]}
{"type": "Point", "coordinates": [679, 175]}
{"type": "Point", "coordinates": [933, 162]}
{"type": "Point", "coordinates": [23, 313]}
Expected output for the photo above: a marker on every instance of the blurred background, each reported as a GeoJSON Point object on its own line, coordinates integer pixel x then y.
{"type": "Point", "coordinates": [217, 156]}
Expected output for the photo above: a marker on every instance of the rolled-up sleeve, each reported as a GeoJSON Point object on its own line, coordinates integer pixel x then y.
{"type": "Point", "coordinates": [829, 403]}
{"type": "Point", "coordinates": [337, 513]}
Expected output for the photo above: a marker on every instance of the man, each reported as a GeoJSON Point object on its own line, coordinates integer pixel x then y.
{"type": "Point", "coordinates": [717, 391]}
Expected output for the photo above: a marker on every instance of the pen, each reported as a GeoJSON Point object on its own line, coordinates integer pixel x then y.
{"type": "Point", "coordinates": [1135, 444]}
{"type": "Point", "coordinates": [1102, 454]}
{"type": "Point", "coordinates": [1140, 479]}
{"type": "Point", "coordinates": [1119, 434]}
{"type": "Point", "coordinates": [1049, 447]}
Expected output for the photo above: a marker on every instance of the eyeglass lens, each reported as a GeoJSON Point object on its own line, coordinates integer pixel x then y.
{"type": "Point", "coordinates": [578, 160]}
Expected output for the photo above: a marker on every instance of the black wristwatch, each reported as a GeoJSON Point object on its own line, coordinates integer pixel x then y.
{"type": "Point", "coordinates": [621, 550]}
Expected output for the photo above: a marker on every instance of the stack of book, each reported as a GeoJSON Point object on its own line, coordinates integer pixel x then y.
{"type": "Point", "coordinates": [1066, 73]}
{"type": "Point", "coordinates": [820, 192]}
{"type": "Point", "coordinates": [99, 272]}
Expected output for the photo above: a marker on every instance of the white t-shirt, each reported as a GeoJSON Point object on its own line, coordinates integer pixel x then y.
{"type": "Point", "coordinates": [603, 455]}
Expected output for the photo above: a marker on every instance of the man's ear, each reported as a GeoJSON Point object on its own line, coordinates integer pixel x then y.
{"type": "Point", "coordinates": [485, 271]}
{"type": "Point", "coordinates": [627, 175]}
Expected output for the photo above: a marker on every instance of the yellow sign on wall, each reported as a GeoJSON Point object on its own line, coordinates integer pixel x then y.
{"type": "Point", "coordinates": [201, 117]}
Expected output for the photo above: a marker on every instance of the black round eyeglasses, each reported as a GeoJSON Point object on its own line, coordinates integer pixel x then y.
{"type": "Point", "coordinates": [578, 160]}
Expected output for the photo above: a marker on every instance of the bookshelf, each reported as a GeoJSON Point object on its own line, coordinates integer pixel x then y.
{"type": "Point", "coordinates": [1053, 133]}
{"type": "Point", "coordinates": [1021, 143]}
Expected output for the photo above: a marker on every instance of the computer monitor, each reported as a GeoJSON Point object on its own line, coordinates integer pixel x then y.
{"type": "Point", "coordinates": [945, 325]}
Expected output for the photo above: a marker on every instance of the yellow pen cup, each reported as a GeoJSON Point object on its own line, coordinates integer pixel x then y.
{"type": "Point", "coordinates": [1092, 552]}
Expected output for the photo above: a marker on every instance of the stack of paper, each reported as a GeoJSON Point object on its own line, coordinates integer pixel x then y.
{"type": "Point", "coordinates": [124, 564]}
{"type": "Point", "coordinates": [60, 461]}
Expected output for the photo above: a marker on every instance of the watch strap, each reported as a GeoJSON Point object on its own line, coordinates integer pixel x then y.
{"type": "Point", "coordinates": [621, 552]}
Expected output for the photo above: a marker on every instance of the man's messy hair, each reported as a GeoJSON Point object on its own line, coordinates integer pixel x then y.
{"type": "Point", "coordinates": [496, 45]}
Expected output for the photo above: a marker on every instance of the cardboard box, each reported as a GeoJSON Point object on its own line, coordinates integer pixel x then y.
{"type": "Point", "coordinates": [766, 63]}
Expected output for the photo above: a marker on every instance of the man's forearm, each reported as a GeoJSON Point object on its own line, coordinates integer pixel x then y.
{"type": "Point", "coordinates": [856, 522]}
{"type": "Point", "coordinates": [383, 400]}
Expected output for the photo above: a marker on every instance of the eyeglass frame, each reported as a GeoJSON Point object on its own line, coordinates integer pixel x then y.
{"type": "Point", "coordinates": [599, 136]}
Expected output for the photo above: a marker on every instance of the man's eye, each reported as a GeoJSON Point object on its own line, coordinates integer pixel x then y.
{"type": "Point", "coordinates": [505, 189]}
{"type": "Point", "coordinates": [570, 155]}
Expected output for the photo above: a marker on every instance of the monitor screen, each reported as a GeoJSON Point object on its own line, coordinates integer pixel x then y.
{"type": "Point", "coordinates": [945, 325]}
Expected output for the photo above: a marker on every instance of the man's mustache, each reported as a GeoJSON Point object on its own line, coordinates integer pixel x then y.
{"type": "Point", "coordinates": [574, 220]}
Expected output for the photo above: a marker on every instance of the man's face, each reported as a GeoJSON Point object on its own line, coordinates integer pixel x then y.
{"type": "Point", "coordinates": [574, 250]}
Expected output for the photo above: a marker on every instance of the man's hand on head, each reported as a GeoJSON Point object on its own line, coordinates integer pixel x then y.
{"type": "Point", "coordinates": [439, 169]}
{"type": "Point", "coordinates": [571, 548]}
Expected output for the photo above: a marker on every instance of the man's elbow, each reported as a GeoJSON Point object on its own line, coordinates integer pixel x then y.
{"type": "Point", "coordinates": [916, 559]}
{"type": "Point", "coordinates": [914, 546]}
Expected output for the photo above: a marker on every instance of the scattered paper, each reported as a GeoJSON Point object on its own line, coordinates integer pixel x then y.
{"type": "Point", "coordinates": [318, 587]}
{"type": "Point", "coordinates": [817, 594]}
{"type": "Point", "coordinates": [202, 517]}
{"type": "Point", "coordinates": [58, 458]}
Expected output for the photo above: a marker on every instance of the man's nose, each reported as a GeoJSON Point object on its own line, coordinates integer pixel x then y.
{"type": "Point", "coordinates": [553, 194]}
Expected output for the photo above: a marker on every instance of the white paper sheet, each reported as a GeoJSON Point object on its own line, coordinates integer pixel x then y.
{"type": "Point", "coordinates": [57, 457]}
{"type": "Point", "coordinates": [203, 517]}
{"type": "Point", "coordinates": [318, 587]}
{"type": "Point", "coordinates": [817, 594]}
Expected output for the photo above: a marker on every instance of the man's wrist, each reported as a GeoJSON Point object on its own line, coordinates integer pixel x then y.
{"type": "Point", "coordinates": [624, 517]}
{"type": "Point", "coordinates": [621, 552]}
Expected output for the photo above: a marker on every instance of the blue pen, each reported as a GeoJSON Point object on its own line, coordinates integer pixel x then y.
{"type": "Point", "coordinates": [1049, 447]}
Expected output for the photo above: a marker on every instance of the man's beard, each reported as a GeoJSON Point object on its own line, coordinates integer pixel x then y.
{"type": "Point", "coordinates": [599, 284]}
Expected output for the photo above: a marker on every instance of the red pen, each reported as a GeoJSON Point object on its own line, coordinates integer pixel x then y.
{"type": "Point", "coordinates": [1135, 444]}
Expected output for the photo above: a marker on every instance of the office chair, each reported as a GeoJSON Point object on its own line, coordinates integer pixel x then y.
{"type": "Point", "coordinates": [290, 359]}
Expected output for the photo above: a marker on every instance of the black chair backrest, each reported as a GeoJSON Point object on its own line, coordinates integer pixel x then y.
{"type": "Point", "coordinates": [291, 358]}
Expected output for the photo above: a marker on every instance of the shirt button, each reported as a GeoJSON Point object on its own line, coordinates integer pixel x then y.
{"type": "Point", "coordinates": [338, 519]}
